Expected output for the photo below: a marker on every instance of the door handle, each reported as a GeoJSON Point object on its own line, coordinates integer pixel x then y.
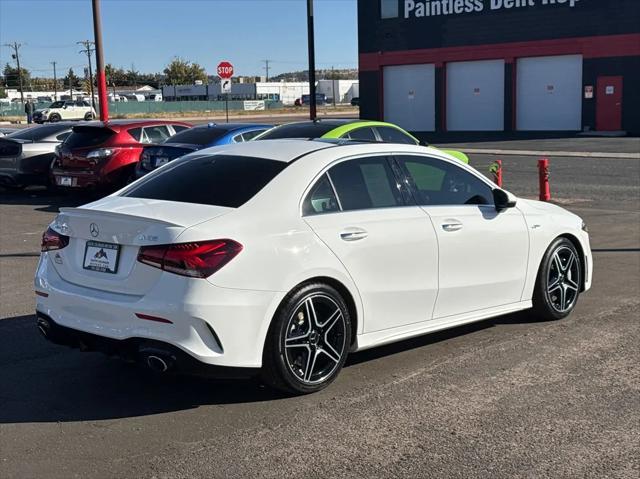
{"type": "Point", "coordinates": [452, 226]}
{"type": "Point", "coordinates": [353, 234]}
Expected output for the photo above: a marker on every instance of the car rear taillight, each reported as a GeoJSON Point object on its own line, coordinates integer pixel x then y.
{"type": "Point", "coordinates": [199, 259]}
{"type": "Point", "coordinates": [52, 240]}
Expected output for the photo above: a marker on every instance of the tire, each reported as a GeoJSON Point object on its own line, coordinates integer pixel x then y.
{"type": "Point", "coordinates": [308, 340]}
{"type": "Point", "coordinates": [559, 281]}
{"type": "Point", "coordinates": [88, 116]}
{"type": "Point", "coordinates": [54, 118]}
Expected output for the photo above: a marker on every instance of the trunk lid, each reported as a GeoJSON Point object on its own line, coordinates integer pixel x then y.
{"type": "Point", "coordinates": [116, 227]}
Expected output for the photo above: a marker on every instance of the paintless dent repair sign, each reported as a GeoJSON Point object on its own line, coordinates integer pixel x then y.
{"type": "Point", "coordinates": [433, 8]}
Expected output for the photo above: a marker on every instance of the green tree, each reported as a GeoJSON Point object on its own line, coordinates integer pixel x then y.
{"type": "Point", "coordinates": [71, 80]}
{"type": "Point", "coordinates": [181, 71]}
{"type": "Point", "coordinates": [12, 79]}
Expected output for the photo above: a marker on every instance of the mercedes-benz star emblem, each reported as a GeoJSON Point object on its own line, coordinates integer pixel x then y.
{"type": "Point", "coordinates": [94, 230]}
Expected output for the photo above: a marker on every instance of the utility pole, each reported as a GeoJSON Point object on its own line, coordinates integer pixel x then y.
{"type": "Point", "coordinates": [88, 50]}
{"type": "Point", "coordinates": [16, 56]}
{"type": "Point", "coordinates": [333, 86]}
{"type": "Point", "coordinates": [101, 77]}
{"type": "Point", "coordinates": [312, 61]}
{"type": "Point", "coordinates": [55, 82]}
{"type": "Point", "coordinates": [266, 67]}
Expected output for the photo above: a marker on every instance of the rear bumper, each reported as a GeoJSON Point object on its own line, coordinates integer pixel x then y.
{"type": "Point", "coordinates": [135, 349]}
{"type": "Point", "coordinates": [79, 178]}
{"type": "Point", "coordinates": [215, 326]}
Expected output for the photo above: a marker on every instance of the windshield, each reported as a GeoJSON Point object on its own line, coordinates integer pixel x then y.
{"type": "Point", "coordinates": [38, 133]}
{"type": "Point", "coordinates": [57, 104]}
{"type": "Point", "coordinates": [219, 180]}
{"type": "Point", "coordinates": [87, 136]}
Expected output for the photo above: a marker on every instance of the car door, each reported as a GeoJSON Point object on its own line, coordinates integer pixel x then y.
{"type": "Point", "coordinates": [363, 214]}
{"type": "Point", "coordinates": [482, 252]}
{"type": "Point", "coordinates": [68, 111]}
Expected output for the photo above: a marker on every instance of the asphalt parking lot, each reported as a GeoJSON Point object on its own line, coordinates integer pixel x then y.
{"type": "Point", "coordinates": [508, 397]}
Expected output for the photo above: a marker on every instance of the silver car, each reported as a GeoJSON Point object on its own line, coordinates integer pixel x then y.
{"type": "Point", "coordinates": [26, 155]}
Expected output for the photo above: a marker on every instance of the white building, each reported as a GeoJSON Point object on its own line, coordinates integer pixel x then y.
{"type": "Point", "coordinates": [286, 92]}
{"type": "Point", "coordinates": [342, 90]}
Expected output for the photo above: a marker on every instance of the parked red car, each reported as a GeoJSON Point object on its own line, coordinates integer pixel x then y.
{"type": "Point", "coordinates": [104, 154]}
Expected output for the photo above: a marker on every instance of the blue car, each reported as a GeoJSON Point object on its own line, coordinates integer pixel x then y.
{"type": "Point", "coordinates": [193, 139]}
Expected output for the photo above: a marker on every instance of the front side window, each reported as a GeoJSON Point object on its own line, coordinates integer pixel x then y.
{"type": "Point", "coordinates": [365, 183]}
{"type": "Point", "coordinates": [438, 182]}
{"type": "Point", "coordinates": [321, 199]}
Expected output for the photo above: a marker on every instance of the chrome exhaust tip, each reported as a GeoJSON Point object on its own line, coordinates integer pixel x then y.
{"type": "Point", "coordinates": [157, 363]}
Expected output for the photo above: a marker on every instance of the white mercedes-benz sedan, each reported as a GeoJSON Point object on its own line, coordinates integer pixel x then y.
{"type": "Point", "coordinates": [280, 257]}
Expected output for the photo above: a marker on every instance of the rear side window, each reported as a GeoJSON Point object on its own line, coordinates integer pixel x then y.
{"type": "Point", "coordinates": [438, 182]}
{"type": "Point", "coordinates": [363, 134]}
{"type": "Point", "coordinates": [365, 183]}
{"type": "Point", "coordinates": [250, 135]}
{"type": "Point", "coordinates": [393, 135]}
{"type": "Point", "coordinates": [220, 180]}
{"type": "Point", "coordinates": [155, 134]}
{"type": "Point", "coordinates": [321, 199]}
{"type": "Point", "coordinates": [87, 136]}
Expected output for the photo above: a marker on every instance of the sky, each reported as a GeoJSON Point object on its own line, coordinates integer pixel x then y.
{"type": "Point", "coordinates": [149, 33]}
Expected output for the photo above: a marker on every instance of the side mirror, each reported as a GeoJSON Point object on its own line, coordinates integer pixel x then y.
{"type": "Point", "coordinates": [503, 199]}
{"type": "Point", "coordinates": [423, 143]}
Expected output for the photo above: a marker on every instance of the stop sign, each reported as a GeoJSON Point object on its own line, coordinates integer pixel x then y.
{"type": "Point", "coordinates": [225, 70]}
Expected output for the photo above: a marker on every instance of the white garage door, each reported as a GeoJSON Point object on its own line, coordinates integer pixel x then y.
{"type": "Point", "coordinates": [475, 96]}
{"type": "Point", "coordinates": [409, 96]}
{"type": "Point", "coordinates": [549, 93]}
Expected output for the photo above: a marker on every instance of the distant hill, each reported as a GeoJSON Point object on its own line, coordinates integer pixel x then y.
{"type": "Point", "coordinates": [326, 74]}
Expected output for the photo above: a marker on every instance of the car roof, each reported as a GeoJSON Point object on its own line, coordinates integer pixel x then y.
{"type": "Point", "coordinates": [280, 150]}
{"type": "Point", "coordinates": [232, 126]}
{"type": "Point", "coordinates": [118, 125]}
{"type": "Point", "coordinates": [289, 150]}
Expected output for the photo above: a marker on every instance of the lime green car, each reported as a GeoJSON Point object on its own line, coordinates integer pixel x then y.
{"type": "Point", "coordinates": [357, 130]}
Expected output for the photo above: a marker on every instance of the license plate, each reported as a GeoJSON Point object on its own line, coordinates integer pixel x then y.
{"type": "Point", "coordinates": [102, 257]}
{"type": "Point", "coordinates": [65, 181]}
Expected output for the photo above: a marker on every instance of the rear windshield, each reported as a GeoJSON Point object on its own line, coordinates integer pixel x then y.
{"type": "Point", "coordinates": [37, 133]}
{"type": "Point", "coordinates": [87, 136]}
{"type": "Point", "coordinates": [298, 130]}
{"type": "Point", "coordinates": [198, 136]}
{"type": "Point", "coordinates": [219, 180]}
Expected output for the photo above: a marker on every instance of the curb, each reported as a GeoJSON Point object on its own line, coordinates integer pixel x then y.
{"type": "Point", "coordinates": [569, 154]}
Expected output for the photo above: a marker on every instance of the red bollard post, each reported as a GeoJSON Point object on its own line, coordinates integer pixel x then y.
{"type": "Point", "coordinates": [543, 172]}
{"type": "Point", "coordinates": [496, 170]}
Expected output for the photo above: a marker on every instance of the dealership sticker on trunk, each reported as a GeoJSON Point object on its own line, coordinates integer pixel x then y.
{"type": "Point", "coordinates": [101, 257]}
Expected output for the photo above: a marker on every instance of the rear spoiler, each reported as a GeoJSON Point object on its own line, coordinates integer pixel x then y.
{"type": "Point", "coordinates": [88, 213]}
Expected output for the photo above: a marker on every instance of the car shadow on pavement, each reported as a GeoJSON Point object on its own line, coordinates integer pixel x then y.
{"type": "Point", "coordinates": [43, 382]}
{"type": "Point", "coordinates": [46, 200]}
